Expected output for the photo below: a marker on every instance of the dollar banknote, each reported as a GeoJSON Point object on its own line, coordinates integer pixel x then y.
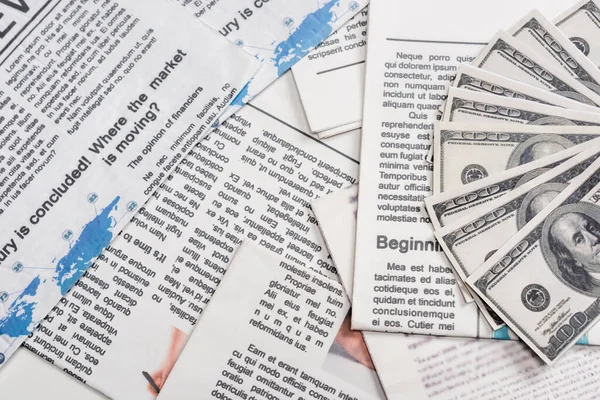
{"type": "Point", "coordinates": [556, 49]}
{"type": "Point", "coordinates": [545, 281]}
{"type": "Point", "coordinates": [471, 240]}
{"type": "Point", "coordinates": [461, 199]}
{"type": "Point", "coordinates": [581, 24]}
{"type": "Point", "coordinates": [479, 80]}
{"type": "Point", "coordinates": [485, 234]}
{"type": "Point", "coordinates": [465, 153]}
{"type": "Point", "coordinates": [509, 57]}
{"type": "Point", "coordinates": [468, 106]}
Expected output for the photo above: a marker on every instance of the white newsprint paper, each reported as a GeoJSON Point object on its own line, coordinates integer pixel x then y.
{"type": "Point", "coordinates": [277, 33]}
{"type": "Point", "coordinates": [336, 214]}
{"type": "Point", "coordinates": [419, 368]}
{"type": "Point", "coordinates": [330, 80]}
{"type": "Point", "coordinates": [253, 179]}
{"type": "Point", "coordinates": [273, 330]}
{"type": "Point", "coordinates": [409, 65]}
{"type": "Point", "coordinates": [100, 102]}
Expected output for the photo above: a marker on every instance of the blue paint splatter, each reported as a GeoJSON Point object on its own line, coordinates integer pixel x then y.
{"type": "Point", "coordinates": [240, 99]}
{"type": "Point", "coordinates": [502, 333]}
{"type": "Point", "coordinates": [96, 235]}
{"type": "Point", "coordinates": [584, 340]}
{"type": "Point", "coordinates": [17, 322]}
{"type": "Point", "coordinates": [309, 34]}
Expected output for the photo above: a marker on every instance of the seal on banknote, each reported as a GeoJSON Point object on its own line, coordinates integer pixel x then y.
{"type": "Point", "coordinates": [581, 44]}
{"type": "Point", "coordinates": [536, 200]}
{"type": "Point", "coordinates": [472, 173]}
{"type": "Point", "coordinates": [537, 147]}
{"type": "Point", "coordinates": [535, 297]}
{"type": "Point", "coordinates": [571, 246]}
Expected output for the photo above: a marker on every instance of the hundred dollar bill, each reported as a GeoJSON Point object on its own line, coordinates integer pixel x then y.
{"type": "Point", "coordinates": [509, 57]}
{"type": "Point", "coordinates": [581, 24]}
{"type": "Point", "coordinates": [479, 80]}
{"type": "Point", "coordinates": [545, 281]}
{"type": "Point", "coordinates": [471, 240]}
{"type": "Point", "coordinates": [556, 49]}
{"type": "Point", "coordinates": [468, 106]}
{"type": "Point", "coordinates": [460, 199]}
{"type": "Point", "coordinates": [466, 153]}
{"type": "Point", "coordinates": [461, 204]}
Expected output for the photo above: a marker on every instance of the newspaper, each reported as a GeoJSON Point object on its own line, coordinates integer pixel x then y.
{"type": "Point", "coordinates": [277, 33]}
{"type": "Point", "coordinates": [414, 61]}
{"type": "Point", "coordinates": [285, 336]}
{"type": "Point", "coordinates": [252, 179]}
{"type": "Point", "coordinates": [416, 367]}
{"type": "Point", "coordinates": [336, 214]}
{"type": "Point", "coordinates": [101, 100]}
{"type": "Point", "coordinates": [331, 80]}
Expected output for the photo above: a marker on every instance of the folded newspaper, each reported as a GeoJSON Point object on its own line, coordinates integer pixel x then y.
{"type": "Point", "coordinates": [516, 182]}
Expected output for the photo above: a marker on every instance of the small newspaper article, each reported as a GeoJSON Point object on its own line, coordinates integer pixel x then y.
{"type": "Point", "coordinates": [331, 79]}
{"type": "Point", "coordinates": [100, 102]}
{"type": "Point", "coordinates": [399, 264]}
{"type": "Point", "coordinates": [286, 335]}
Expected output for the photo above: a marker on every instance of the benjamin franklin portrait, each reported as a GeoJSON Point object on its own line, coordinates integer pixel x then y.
{"type": "Point", "coordinates": [536, 148]}
{"type": "Point", "coordinates": [571, 246]}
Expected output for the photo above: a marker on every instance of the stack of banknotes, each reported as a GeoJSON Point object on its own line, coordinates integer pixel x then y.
{"type": "Point", "coordinates": [516, 159]}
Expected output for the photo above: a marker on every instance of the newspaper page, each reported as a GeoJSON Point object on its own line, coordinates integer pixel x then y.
{"type": "Point", "coordinates": [285, 336]}
{"type": "Point", "coordinates": [415, 367]}
{"type": "Point", "coordinates": [277, 33]}
{"type": "Point", "coordinates": [252, 179]}
{"type": "Point", "coordinates": [409, 66]}
{"type": "Point", "coordinates": [336, 214]}
{"type": "Point", "coordinates": [331, 78]}
{"type": "Point", "coordinates": [101, 100]}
